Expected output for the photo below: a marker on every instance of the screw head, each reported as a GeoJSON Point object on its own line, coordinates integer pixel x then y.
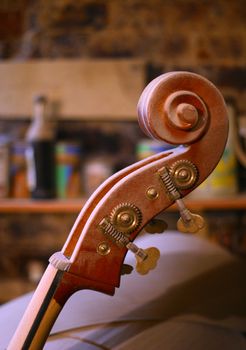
{"type": "Point", "coordinates": [103, 248]}
{"type": "Point", "coordinates": [125, 219]}
{"type": "Point", "coordinates": [152, 193]}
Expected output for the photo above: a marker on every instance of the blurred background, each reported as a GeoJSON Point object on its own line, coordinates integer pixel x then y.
{"type": "Point", "coordinates": [77, 68]}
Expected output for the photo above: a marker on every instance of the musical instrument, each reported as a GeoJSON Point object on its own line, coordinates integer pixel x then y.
{"type": "Point", "coordinates": [180, 108]}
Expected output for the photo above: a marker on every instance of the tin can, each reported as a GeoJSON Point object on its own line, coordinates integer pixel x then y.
{"type": "Point", "coordinates": [18, 171]}
{"type": "Point", "coordinates": [146, 148]}
{"type": "Point", "coordinates": [68, 169]}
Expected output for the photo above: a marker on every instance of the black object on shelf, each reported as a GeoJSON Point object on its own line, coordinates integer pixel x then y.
{"type": "Point", "coordinates": [40, 153]}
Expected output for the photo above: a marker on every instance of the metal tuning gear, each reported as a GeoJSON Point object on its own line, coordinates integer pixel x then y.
{"type": "Point", "coordinates": [126, 217]}
{"type": "Point", "coordinates": [123, 219]}
{"type": "Point", "coordinates": [146, 259]}
{"type": "Point", "coordinates": [182, 174]}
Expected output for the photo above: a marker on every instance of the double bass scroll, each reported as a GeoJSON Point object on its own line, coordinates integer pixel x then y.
{"type": "Point", "coordinates": [180, 108]}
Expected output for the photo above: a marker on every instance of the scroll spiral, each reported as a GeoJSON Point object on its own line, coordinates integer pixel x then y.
{"type": "Point", "coordinates": [177, 107]}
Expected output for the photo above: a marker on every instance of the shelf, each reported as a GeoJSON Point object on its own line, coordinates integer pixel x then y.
{"type": "Point", "coordinates": [219, 203]}
{"type": "Point", "coordinates": [41, 206]}
{"type": "Point", "coordinates": [75, 205]}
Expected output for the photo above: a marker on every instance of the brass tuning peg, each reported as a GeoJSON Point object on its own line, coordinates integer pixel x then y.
{"type": "Point", "coordinates": [195, 224]}
{"type": "Point", "coordinates": [146, 258]}
{"type": "Point", "coordinates": [144, 266]}
{"type": "Point", "coordinates": [156, 226]}
{"type": "Point", "coordinates": [126, 269]}
{"type": "Point", "coordinates": [188, 222]}
{"type": "Point", "coordinates": [183, 174]}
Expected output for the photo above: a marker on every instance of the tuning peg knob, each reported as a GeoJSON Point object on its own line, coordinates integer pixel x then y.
{"type": "Point", "coordinates": [126, 269]}
{"type": "Point", "coordinates": [188, 222]}
{"type": "Point", "coordinates": [192, 225]}
{"type": "Point", "coordinates": [150, 262]}
{"type": "Point", "coordinates": [156, 226]}
{"type": "Point", "coordinates": [146, 258]}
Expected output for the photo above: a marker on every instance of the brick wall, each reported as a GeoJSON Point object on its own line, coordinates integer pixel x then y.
{"type": "Point", "coordinates": [206, 36]}
{"type": "Point", "coordinates": [177, 32]}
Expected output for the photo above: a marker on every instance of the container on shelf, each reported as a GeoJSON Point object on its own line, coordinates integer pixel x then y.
{"type": "Point", "coordinates": [40, 153]}
{"type": "Point", "coordinates": [68, 169]}
{"type": "Point", "coordinates": [4, 166]}
{"type": "Point", "coordinates": [95, 171]}
{"type": "Point", "coordinates": [18, 171]}
{"type": "Point", "coordinates": [146, 148]}
{"type": "Point", "coordinates": [241, 152]}
{"type": "Point", "coordinates": [223, 181]}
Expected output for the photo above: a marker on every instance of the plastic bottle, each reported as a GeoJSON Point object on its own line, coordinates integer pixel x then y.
{"type": "Point", "coordinates": [40, 153]}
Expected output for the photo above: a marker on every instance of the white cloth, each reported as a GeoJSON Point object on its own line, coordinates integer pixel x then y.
{"type": "Point", "coordinates": [197, 289]}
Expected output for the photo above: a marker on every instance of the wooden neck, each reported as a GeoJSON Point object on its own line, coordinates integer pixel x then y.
{"type": "Point", "coordinates": [40, 314]}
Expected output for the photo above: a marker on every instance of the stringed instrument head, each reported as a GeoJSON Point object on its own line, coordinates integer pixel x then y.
{"type": "Point", "coordinates": [180, 108]}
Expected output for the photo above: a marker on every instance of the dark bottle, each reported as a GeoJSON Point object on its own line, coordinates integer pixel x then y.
{"type": "Point", "coordinates": [40, 153]}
